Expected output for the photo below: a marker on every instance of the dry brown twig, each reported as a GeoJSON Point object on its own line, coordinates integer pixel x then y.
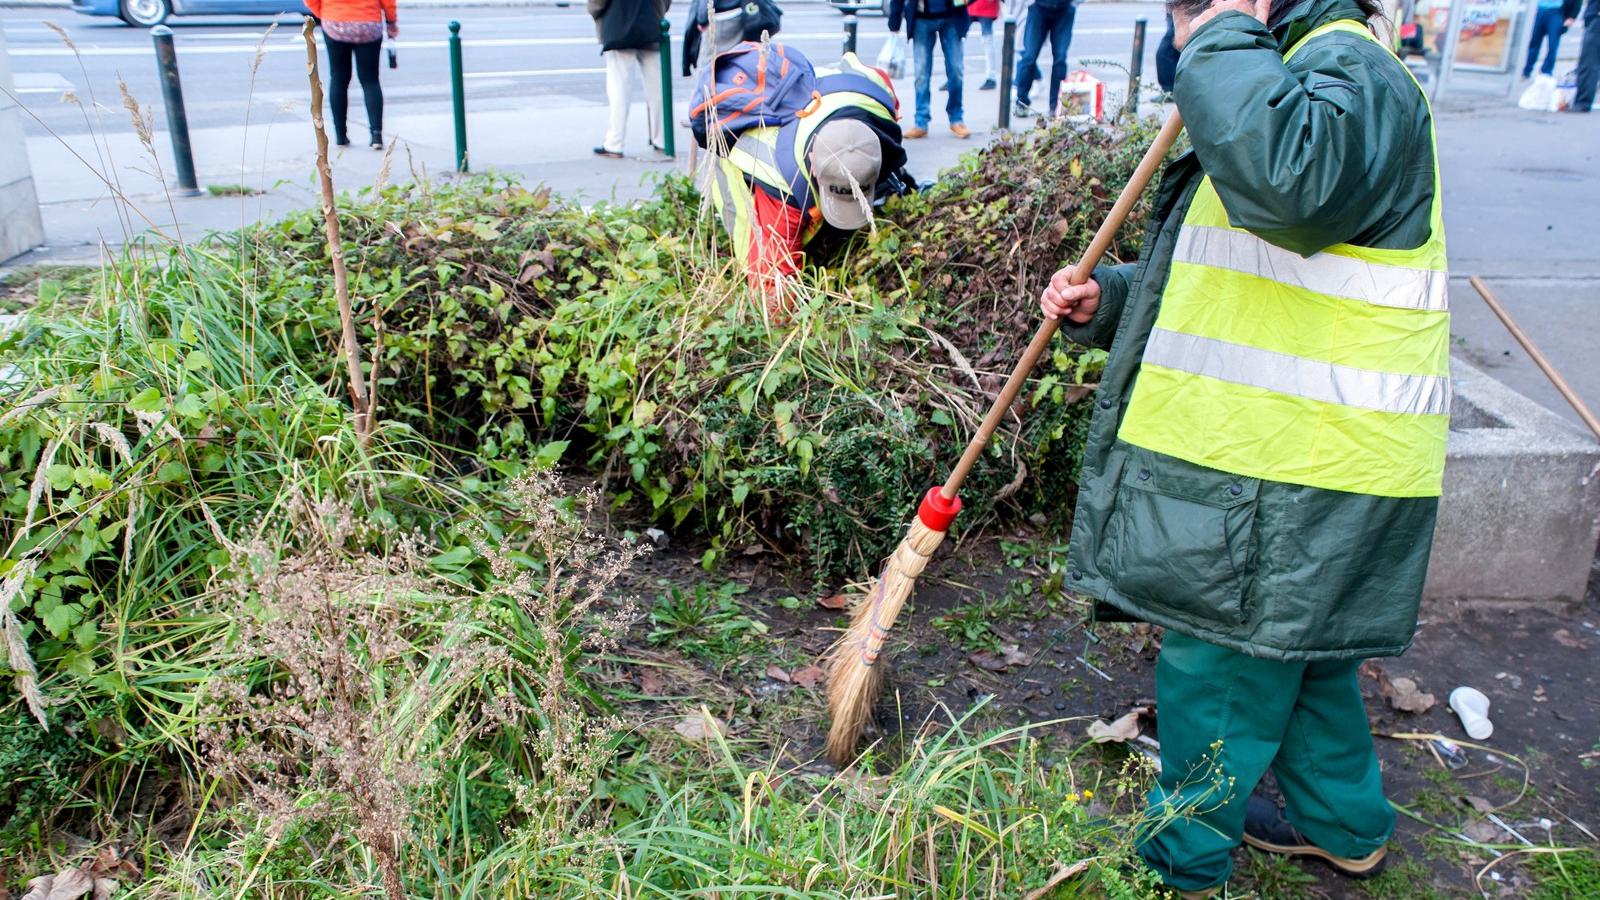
{"type": "Point", "coordinates": [359, 396]}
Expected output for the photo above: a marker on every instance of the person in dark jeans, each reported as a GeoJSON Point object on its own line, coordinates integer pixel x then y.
{"type": "Point", "coordinates": [1166, 59]}
{"type": "Point", "coordinates": [353, 31]}
{"type": "Point", "coordinates": [1046, 19]}
{"type": "Point", "coordinates": [929, 22]}
{"type": "Point", "coordinates": [1588, 60]}
{"type": "Point", "coordinates": [1549, 23]}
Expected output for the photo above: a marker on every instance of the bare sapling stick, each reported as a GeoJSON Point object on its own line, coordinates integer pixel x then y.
{"type": "Point", "coordinates": [359, 396]}
{"type": "Point", "coordinates": [854, 670]}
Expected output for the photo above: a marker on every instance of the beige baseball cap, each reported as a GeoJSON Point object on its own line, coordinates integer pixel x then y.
{"type": "Point", "coordinates": [845, 160]}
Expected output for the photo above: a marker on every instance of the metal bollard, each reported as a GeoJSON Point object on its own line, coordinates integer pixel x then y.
{"type": "Point", "coordinates": [668, 145]}
{"type": "Point", "coordinates": [850, 33]}
{"type": "Point", "coordinates": [1008, 57]}
{"type": "Point", "coordinates": [1136, 65]}
{"type": "Point", "coordinates": [458, 96]}
{"type": "Point", "coordinates": [177, 118]}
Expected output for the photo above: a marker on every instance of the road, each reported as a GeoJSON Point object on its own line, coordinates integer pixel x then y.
{"type": "Point", "coordinates": [516, 58]}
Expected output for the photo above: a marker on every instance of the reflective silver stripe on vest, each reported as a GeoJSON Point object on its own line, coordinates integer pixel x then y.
{"type": "Point", "coordinates": [1325, 273]}
{"type": "Point", "coordinates": [1297, 376]}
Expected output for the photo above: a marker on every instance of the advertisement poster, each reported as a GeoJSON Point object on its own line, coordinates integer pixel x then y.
{"type": "Point", "coordinates": [1488, 28]}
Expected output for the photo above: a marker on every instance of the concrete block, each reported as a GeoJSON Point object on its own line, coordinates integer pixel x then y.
{"type": "Point", "coordinates": [1520, 515]}
{"type": "Point", "coordinates": [20, 226]}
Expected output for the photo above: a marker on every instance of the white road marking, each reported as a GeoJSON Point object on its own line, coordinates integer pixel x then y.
{"type": "Point", "coordinates": [291, 43]}
{"type": "Point", "coordinates": [528, 73]}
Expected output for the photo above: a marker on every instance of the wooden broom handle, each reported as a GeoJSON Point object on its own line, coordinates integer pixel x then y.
{"type": "Point", "coordinates": [1538, 356]}
{"type": "Point", "coordinates": [1047, 329]}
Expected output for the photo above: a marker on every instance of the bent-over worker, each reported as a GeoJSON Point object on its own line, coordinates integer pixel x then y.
{"type": "Point", "coordinates": [1265, 455]}
{"type": "Point", "coordinates": [778, 186]}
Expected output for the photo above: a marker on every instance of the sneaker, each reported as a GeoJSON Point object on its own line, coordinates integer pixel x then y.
{"type": "Point", "coordinates": [945, 87]}
{"type": "Point", "coordinates": [1022, 111]}
{"type": "Point", "coordinates": [914, 133]}
{"type": "Point", "coordinates": [960, 130]}
{"type": "Point", "coordinates": [608, 154]}
{"type": "Point", "coordinates": [1265, 828]}
{"type": "Point", "coordinates": [989, 84]}
{"type": "Point", "coordinates": [377, 141]}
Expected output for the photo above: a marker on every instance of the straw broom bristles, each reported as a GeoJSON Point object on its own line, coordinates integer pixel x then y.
{"type": "Point", "coordinates": [855, 669]}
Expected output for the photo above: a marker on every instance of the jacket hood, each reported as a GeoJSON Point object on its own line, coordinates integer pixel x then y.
{"type": "Point", "coordinates": [1312, 14]}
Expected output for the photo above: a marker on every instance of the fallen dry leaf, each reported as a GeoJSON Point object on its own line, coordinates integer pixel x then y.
{"type": "Point", "coordinates": [1121, 731]}
{"type": "Point", "coordinates": [1567, 639]}
{"type": "Point", "coordinates": [1479, 804]}
{"type": "Point", "coordinates": [999, 661]}
{"type": "Point", "coordinates": [837, 601]}
{"type": "Point", "coordinates": [698, 726]}
{"type": "Point", "coordinates": [776, 673]}
{"type": "Point", "coordinates": [66, 885]}
{"type": "Point", "coordinates": [1481, 831]}
{"type": "Point", "coordinates": [651, 682]}
{"type": "Point", "coordinates": [809, 676]}
{"type": "Point", "coordinates": [1404, 695]}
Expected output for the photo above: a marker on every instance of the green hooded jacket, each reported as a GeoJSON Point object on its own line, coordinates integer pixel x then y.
{"type": "Point", "coordinates": [1334, 146]}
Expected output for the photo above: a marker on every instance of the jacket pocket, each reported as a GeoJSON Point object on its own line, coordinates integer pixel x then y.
{"type": "Point", "coordinates": [1185, 538]}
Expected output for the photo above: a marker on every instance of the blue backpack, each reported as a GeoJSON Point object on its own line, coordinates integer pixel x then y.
{"type": "Point", "coordinates": [751, 85]}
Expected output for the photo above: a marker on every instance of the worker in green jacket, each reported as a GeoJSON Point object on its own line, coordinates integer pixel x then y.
{"type": "Point", "coordinates": [1267, 445]}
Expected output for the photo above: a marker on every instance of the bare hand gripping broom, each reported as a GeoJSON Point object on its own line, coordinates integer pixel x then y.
{"type": "Point", "coordinates": [854, 675]}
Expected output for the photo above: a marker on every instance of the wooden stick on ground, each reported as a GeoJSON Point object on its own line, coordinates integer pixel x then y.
{"type": "Point", "coordinates": [359, 397]}
{"type": "Point", "coordinates": [1539, 359]}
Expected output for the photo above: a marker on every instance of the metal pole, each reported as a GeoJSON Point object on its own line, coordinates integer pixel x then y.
{"type": "Point", "coordinates": [668, 144]}
{"type": "Point", "coordinates": [1008, 56]}
{"type": "Point", "coordinates": [1136, 65]}
{"type": "Point", "coordinates": [850, 33]}
{"type": "Point", "coordinates": [1447, 57]}
{"type": "Point", "coordinates": [177, 118]}
{"type": "Point", "coordinates": [458, 96]}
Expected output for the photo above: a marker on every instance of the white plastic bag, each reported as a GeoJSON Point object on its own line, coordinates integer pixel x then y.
{"type": "Point", "coordinates": [1539, 94]}
{"type": "Point", "coordinates": [892, 58]}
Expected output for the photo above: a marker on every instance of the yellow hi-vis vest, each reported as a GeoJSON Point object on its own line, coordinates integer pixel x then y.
{"type": "Point", "coordinates": [1330, 371]}
{"type": "Point", "coordinates": [774, 158]}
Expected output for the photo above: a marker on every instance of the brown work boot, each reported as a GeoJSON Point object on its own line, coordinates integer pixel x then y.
{"type": "Point", "coordinates": [917, 132]}
{"type": "Point", "coordinates": [960, 130]}
{"type": "Point", "coordinates": [1265, 828]}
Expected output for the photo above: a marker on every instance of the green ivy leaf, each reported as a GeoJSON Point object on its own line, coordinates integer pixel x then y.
{"type": "Point", "coordinates": [148, 400]}
{"type": "Point", "coordinates": [550, 454]}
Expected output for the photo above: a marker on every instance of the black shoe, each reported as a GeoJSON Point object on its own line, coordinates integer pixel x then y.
{"type": "Point", "coordinates": [377, 141]}
{"type": "Point", "coordinates": [340, 140]}
{"type": "Point", "coordinates": [608, 154]}
{"type": "Point", "coordinates": [1265, 828]}
{"type": "Point", "coordinates": [988, 85]}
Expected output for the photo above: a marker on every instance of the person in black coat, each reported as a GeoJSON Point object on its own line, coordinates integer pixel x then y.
{"type": "Point", "coordinates": [1588, 60]}
{"type": "Point", "coordinates": [630, 40]}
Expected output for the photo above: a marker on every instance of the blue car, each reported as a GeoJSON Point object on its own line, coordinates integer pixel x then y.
{"type": "Point", "coordinates": [149, 13]}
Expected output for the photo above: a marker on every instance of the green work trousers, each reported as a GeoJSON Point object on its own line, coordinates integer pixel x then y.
{"type": "Point", "coordinates": [1224, 718]}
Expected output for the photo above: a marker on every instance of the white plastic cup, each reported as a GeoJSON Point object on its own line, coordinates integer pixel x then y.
{"type": "Point", "coordinates": [1472, 708]}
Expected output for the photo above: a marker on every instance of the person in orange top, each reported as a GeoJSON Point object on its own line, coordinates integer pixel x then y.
{"type": "Point", "coordinates": [353, 31]}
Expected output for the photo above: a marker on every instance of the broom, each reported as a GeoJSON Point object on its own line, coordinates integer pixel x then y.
{"type": "Point", "coordinates": [854, 676]}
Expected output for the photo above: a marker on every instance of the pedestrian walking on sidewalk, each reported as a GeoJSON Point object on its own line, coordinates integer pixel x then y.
{"type": "Point", "coordinates": [1265, 453]}
{"type": "Point", "coordinates": [930, 22]}
{"type": "Point", "coordinates": [984, 12]}
{"type": "Point", "coordinates": [630, 40]}
{"type": "Point", "coordinates": [1588, 60]}
{"type": "Point", "coordinates": [1550, 22]}
{"type": "Point", "coordinates": [353, 31]}
{"type": "Point", "coordinates": [1047, 20]}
